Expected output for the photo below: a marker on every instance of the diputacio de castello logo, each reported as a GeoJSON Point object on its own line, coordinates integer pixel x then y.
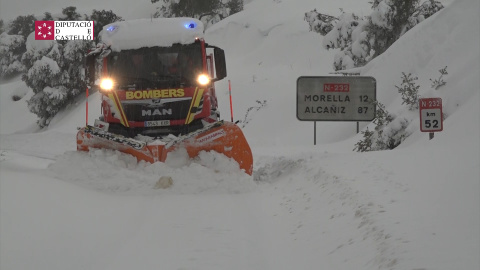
{"type": "Point", "coordinates": [64, 30]}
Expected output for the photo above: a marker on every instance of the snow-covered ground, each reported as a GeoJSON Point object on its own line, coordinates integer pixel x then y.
{"type": "Point", "coordinates": [306, 207]}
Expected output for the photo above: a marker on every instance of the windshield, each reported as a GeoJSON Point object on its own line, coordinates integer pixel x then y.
{"type": "Point", "coordinates": [156, 67]}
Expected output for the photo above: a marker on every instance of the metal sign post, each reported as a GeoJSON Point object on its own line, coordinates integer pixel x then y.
{"type": "Point", "coordinates": [230, 94]}
{"type": "Point", "coordinates": [431, 115]}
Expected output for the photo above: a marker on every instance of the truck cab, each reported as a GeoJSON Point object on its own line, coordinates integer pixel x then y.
{"type": "Point", "coordinates": [156, 88]}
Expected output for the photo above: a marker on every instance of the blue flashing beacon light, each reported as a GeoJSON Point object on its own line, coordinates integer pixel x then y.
{"type": "Point", "coordinates": [190, 25]}
{"type": "Point", "coordinates": [111, 28]}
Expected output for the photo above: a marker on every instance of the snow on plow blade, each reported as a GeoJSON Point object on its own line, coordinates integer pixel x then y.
{"type": "Point", "coordinates": [222, 137]}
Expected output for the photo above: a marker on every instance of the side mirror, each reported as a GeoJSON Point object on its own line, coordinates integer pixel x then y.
{"type": "Point", "coordinates": [90, 62]}
{"type": "Point", "coordinates": [220, 65]}
{"type": "Point", "coordinates": [101, 51]}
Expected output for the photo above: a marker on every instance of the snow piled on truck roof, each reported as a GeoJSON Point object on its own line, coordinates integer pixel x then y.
{"type": "Point", "coordinates": [164, 32]}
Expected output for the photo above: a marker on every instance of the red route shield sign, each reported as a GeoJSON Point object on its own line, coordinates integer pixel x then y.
{"type": "Point", "coordinates": [44, 30]}
{"type": "Point", "coordinates": [431, 115]}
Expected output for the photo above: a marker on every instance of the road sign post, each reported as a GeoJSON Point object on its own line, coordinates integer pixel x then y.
{"type": "Point", "coordinates": [431, 115]}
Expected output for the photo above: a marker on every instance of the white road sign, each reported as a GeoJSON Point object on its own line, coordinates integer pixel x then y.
{"type": "Point", "coordinates": [431, 115]}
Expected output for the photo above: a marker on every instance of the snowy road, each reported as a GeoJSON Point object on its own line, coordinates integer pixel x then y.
{"type": "Point", "coordinates": [81, 220]}
{"type": "Point", "coordinates": [337, 210]}
{"type": "Point", "coordinates": [91, 222]}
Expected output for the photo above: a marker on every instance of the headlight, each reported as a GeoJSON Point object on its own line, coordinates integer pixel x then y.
{"type": "Point", "coordinates": [203, 79]}
{"type": "Point", "coordinates": [106, 84]}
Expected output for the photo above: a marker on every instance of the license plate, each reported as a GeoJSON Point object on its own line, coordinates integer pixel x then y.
{"type": "Point", "coordinates": [159, 123]}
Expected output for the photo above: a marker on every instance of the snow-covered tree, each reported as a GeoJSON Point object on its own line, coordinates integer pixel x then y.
{"type": "Point", "coordinates": [390, 19]}
{"type": "Point", "coordinates": [22, 25]}
{"type": "Point", "coordinates": [70, 14]}
{"type": "Point", "coordinates": [54, 75]}
{"type": "Point", "coordinates": [409, 91]}
{"type": "Point", "coordinates": [187, 8]}
{"type": "Point", "coordinates": [52, 69]}
{"type": "Point", "coordinates": [389, 131]}
{"type": "Point", "coordinates": [362, 39]}
{"type": "Point", "coordinates": [234, 6]}
{"type": "Point", "coordinates": [340, 35]}
{"type": "Point", "coordinates": [102, 18]}
{"type": "Point", "coordinates": [425, 10]}
{"type": "Point", "coordinates": [2, 27]}
{"type": "Point", "coordinates": [43, 71]}
{"type": "Point", "coordinates": [388, 22]}
{"type": "Point", "coordinates": [350, 36]}
{"type": "Point", "coordinates": [207, 11]}
{"type": "Point", "coordinates": [320, 23]}
{"type": "Point", "coordinates": [47, 16]}
{"type": "Point", "coordinates": [12, 45]}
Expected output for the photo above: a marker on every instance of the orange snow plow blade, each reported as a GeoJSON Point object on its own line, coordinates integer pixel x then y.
{"type": "Point", "coordinates": [222, 137]}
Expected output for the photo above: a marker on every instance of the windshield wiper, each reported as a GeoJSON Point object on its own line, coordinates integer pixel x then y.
{"type": "Point", "coordinates": [172, 80]}
{"type": "Point", "coordinates": [129, 81]}
{"type": "Point", "coordinates": [162, 80]}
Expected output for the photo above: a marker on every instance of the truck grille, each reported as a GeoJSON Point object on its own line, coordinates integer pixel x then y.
{"type": "Point", "coordinates": [139, 112]}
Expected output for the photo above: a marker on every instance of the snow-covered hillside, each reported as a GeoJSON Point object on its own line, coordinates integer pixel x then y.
{"type": "Point", "coordinates": [306, 207]}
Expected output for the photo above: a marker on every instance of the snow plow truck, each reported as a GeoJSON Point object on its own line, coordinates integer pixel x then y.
{"type": "Point", "coordinates": [156, 80]}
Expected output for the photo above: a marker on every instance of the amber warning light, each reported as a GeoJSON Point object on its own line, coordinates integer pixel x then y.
{"type": "Point", "coordinates": [106, 84]}
{"type": "Point", "coordinates": [203, 79]}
